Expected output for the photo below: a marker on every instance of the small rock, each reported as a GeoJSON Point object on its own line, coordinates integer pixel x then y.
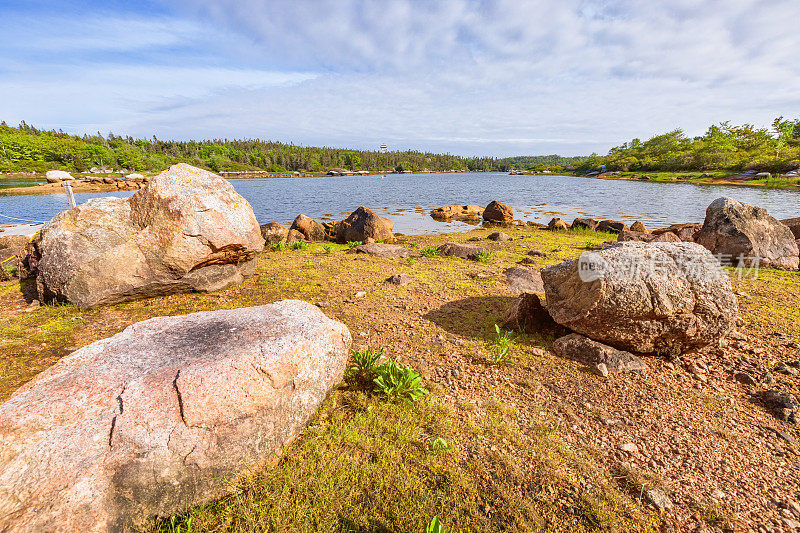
{"type": "Point", "coordinates": [744, 378]}
{"type": "Point", "coordinates": [717, 494]}
{"type": "Point", "coordinates": [659, 500]}
{"type": "Point", "coordinates": [499, 236]}
{"type": "Point", "coordinates": [602, 369]}
{"type": "Point", "coordinates": [628, 447]}
{"type": "Point", "coordinates": [401, 279]}
{"type": "Point", "coordinates": [783, 368]}
{"type": "Point", "coordinates": [360, 294]}
{"type": "Point", "coordinates": [537, 253]}
{"type": "Point", "coordinates": [33, 306]}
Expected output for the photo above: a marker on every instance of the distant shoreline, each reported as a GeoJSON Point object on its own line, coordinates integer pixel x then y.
{"type": "Point", "coordinates": [695, 178]}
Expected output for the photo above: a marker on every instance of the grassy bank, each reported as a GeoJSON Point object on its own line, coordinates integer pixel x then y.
{"type": "Point", "coordinates": [527, 444]}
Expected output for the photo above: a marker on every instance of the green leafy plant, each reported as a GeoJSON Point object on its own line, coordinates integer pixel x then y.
{"type": "Point", "coordinates": [365, 364]}
{"type": "Point", "coordinates": [353, 244]}
{"type": "Point", "coordinates": [327, 248]}
{"type": "Point", "coordinates": [279, 246]}
{"type": "Point", "coordinates": [399, 382]}
{"type": "Point", "coordinates": [435, 526]}
{"type": "Point", "coordinates": [299, 245]}
{"type": "Point", "coordinates": [483, 256]}
{"type": "Point", "coordinates": [438, 445]}
{"type": "Point", "coordinates": [501, 346]}
{"type": "Point", "coordinates": [429, 251]}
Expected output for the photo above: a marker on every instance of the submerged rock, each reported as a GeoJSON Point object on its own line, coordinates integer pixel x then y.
{"type": "Point", "coordinates": [644, 297]}
{"type": "Point", "coordinates": [163, 416]}
{"type": "Point", "coordinates": [458, 212]}
{"type": "Point", "coordinates": [736, 231]}
{"type": "Point", "coordinates": [186, 230]}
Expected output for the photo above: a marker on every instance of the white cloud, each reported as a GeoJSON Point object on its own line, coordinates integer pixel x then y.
{"type": "Point", "coordinates": [466, 76]}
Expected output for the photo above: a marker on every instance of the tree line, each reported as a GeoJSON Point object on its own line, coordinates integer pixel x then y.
{"type": "Point", "coordinates": [723, 146]}
{"type": "Point", "coordinates": [25, 148]}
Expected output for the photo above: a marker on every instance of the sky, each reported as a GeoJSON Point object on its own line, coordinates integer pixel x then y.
{"type": "Point", "coordinates": [468, 77]}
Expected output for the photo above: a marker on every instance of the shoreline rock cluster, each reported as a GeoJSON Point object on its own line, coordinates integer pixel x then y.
{"type": "Point", "coordinates": [363, 225]}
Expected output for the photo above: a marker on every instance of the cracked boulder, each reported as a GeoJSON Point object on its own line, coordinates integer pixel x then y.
{"type": "Point", "coordinates": [666, 297]}
{"type": "Point", "coordinates": [186, 230]}
{"type": "Point", "coordinates": [163, 416]}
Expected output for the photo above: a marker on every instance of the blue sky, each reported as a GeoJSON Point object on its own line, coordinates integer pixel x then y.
{"type": "Point", "coordinates": [469, 77]}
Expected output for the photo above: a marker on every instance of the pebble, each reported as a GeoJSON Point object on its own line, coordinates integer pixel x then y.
{"type": "Point", "coordinates": [660, 500]}
{"type": "Point", "coordinates": [602, 369]}
{"type": "Point", "coordinates": [717, 494]}
{"type": "Point", "coordinates": [361, 294]}
{"type": "Point", "coordinates": [33, 306]}
{"type": "Point", "coordinates": [628, 447]}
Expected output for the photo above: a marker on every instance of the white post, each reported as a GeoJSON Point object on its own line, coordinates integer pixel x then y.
{"type": "Point", "coordinates": [70, 195]}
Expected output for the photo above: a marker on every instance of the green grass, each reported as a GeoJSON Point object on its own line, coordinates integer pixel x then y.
{"type": "Point", "coordinates": [429, 251]}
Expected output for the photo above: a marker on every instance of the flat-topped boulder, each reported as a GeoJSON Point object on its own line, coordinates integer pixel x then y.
{"type": "Point", "coordinates": [498, 213]}
{"type": "Point", "coordinates": [186, 230]}
{"type": "Point", "coordinates": [736, 231]}
{"type": "Point", "coordinates": [464, 251]}
{"type": "Point", "coordinates": [363, 224]}
{"type": "Point", "coordinates": [630, 235]}
{"type": "Point", "coordinates": [458, 212]}
{"type": "Point", "coordinates": [522, 279]}
{"type": "Point", "coordinates": [163, 416]}
{"type": "Point", "coordinates": [57, 176]}
{"type": "Point", "coordinates": [644, 297]}
{"type": "Point", "coordinates": [387, 251]}
{"type": "Point", "coordinates": [580, 348]}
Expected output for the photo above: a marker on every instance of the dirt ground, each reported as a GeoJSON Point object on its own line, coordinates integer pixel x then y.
{"type": "Point", "coordinates": [536, 442]}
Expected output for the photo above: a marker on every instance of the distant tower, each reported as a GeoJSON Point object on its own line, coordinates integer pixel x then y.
{"type": "Point", "coordinates": [383, 149]}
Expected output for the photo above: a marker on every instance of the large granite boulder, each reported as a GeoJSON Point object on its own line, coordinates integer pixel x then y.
{"type": "Point", "coordinates": [734, 230]}
{"type": "Point", "coordinates": [310, 228]}
{"type": "Point", "coordinates": [163, 415]}
{"type": "Point", "coordinates": [643, 297]}
{"type": "Point", "coordinates": [457, 212]}
{"type": "Point", "coordinates": [186, 230]}
{"type": "Point", "coordinates": [498, 213]}
{"type": "Point", "coordinates": [363, 224]}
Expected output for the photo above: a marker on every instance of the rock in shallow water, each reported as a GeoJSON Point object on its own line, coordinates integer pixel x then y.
{"type": "Point", "coordinates": [644, 297]}
{"type": "Point", "coordinates": [163, 415]}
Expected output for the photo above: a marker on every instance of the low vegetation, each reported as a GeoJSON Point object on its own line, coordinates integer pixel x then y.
{"type": "Point", "coordinates": [491, 447]}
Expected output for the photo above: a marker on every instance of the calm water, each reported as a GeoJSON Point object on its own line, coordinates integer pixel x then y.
{"type": "Point", "coordinates": [407, 199]}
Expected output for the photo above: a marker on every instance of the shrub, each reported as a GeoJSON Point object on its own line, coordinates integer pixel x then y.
{"type": "Point", "coordinates": [501, 347]}
{"type": "Point", "coordinates": [279, 246]}
{"type": "Point", "coordinates": [365, 364]}
{"type": "Point", "coordinates": [399, 382]}
{"type": "Point", "coordinates": [353, 244]}
{"type": "Point", "coordinates": [483, 256]}
{"type": "Point", "coordinates": [299, 245]}
{"type": "Point", "coordinates": [327, 248]}
{"type": "Point", "coordinates": [429, 251]}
